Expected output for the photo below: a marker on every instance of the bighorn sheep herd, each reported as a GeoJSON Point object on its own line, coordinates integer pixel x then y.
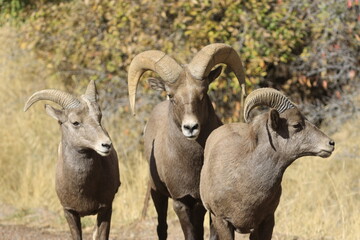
{"type": "Point", "coordinates": [234, 170]}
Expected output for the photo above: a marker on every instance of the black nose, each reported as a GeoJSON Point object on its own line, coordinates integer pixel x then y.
{"type": "Point", "coordinates": [106, 145]}
{"type": "Point", "coordinates": [191, 128]}
{"type": "Point", "coordinates": [332, 143]}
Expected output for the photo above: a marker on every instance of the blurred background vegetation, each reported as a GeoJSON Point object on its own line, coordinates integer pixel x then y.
{"type": "Point", "coordinates": [308, 49]}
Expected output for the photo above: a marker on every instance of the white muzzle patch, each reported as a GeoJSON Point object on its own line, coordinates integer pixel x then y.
{"type": "Point", "coordinates": [104, 148]}
{"type": "Point", "coordinates": [190, 128]}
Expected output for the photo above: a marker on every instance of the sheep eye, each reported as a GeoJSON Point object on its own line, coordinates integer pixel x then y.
{"type": "Point", "coordinates": [76, 124]}
{"type": "Point", "coordinates": [297, 126]}
{"type": "Point", "coordinates": [171, 98]}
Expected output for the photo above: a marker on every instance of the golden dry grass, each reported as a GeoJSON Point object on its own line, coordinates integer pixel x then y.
{"type": "Point", "coordinates": [320, 196]}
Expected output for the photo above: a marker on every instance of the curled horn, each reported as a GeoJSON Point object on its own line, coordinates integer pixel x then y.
{"type": "Point", "coordinates": [213, 54]}
{"type": "Point", "coordinates": [64, 99]}
{"type": "Point", "coordinates": [156, 61]}
{"type": "Point", "coordinates": [91, 92]}
{"type": "Point", "coordinates": [268, 97]}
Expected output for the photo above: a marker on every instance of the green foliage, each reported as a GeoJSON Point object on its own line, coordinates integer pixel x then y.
{"type": "Point", "coordinates": [10, 9]}
{"type": "Point", "coordinates": [98, 40]}
{"type": "Point", "coordinates": [15, 11]}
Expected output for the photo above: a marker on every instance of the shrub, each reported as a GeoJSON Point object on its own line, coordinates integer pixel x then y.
{"type": "Point", "coordinates": [309, 49]}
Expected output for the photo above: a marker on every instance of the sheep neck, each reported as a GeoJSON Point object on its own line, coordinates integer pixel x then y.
{"type": "Point", "coordinates": [78, 159]}
{"type": "Point", "coordinates": [270, 160]}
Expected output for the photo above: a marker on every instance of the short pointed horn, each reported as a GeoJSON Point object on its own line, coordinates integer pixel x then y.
{"type": "Point", "coordinates": [64, 99]}
{"type": "Point", "coordinates": [156, 61]}
{"type": "Point", "coordinates": [91, 92]}
{"type": "Point", "coordinates": [213, 54]}
{"type": "Point", "coordinates": [269, 97]}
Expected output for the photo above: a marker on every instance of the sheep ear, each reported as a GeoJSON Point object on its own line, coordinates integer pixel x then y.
{"type": "Point", "coordinates": [214, 74]}
{"type": "Point", "coordinates": [156, 84]}
{"type": "Point", "coordinates": [274, 119]}
{"type": "Point", "coordinates": [55, 113]}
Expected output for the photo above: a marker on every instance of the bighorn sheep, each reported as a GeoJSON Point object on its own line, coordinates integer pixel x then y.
{"type": "Point", "coordinates": [244, 164]}
{"type": "Point", "coordinates": [176, 132]}
{"type": "Point", "coordinates": [87, 172]}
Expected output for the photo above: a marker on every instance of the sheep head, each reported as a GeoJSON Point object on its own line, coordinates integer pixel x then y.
{"type": "Point", "coordinates": [288, 130]}
{"type": "Point", "coordinates": [79, 118]}
{"type": "Point", "coordinates": [186, 86]}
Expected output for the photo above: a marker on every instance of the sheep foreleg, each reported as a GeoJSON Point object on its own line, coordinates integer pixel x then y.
{"type": "Point", "coordinates": [73, 219]}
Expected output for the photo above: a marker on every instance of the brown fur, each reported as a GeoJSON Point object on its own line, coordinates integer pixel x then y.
{"type": "Point", "coordinates": [243, 167]}
{"type": "Point", "coordinates": [175, 159]}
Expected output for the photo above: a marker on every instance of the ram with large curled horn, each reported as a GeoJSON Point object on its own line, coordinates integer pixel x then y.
{"type": "Point", "coordinates": [244, 164]}
{"type": "Point", "coordinates": [87, 172]}
{"type": "Point", "coordinates": [176, 132]}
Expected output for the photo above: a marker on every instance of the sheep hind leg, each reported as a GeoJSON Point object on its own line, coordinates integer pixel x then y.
{"type": "Point", "coordinates": [191, 216]}
{"type": "Point", "coordinates": [103, 221]}
{"type": "Point", "coordinates": [161, 205]}
{"type": "Point", "coordinates": [197, 218]}
{"type": "Point", "coordinates": [73, 220]}
{"type": "Point", "coordinates": [220, 229]}
{"type": "Point", "coordinates": [265, 229]}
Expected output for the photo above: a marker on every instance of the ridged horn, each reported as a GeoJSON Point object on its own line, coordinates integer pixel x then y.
{"type": "Point", "coordinates": [269, 97]}
{"type": "Point", "coordinates": [213, 54]}
{"type": "Point", "coordinates": [153, 60]}
{"type": "Point", "coordinates": [64, 99]}
{"type": "Point", "coordinates": [91, 93]}
{"type": "Point", "coordinates": [216, 53]}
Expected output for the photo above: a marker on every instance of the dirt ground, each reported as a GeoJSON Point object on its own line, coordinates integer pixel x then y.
{"type": "Point", "coordinates": [40, 225]}
{"type": "Point", "coordinates": [144, 230]}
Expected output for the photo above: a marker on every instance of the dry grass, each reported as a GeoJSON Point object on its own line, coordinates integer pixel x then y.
{"type": "Point", "coordinates": [320, 196]}
{"type": "Point", "coordinates": [26, 157]}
